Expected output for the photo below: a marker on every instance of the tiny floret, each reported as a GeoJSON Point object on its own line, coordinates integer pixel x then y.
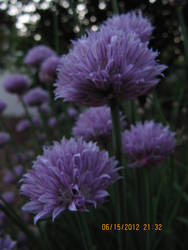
{"type": "Point", "coordinates": [70, 175]}
{"type": "Point", "coordinates": [148, 144]}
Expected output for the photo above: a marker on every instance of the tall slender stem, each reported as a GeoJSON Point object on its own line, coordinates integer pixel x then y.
{"type": "Point", "coordinates": [147, 187]}
{"type": "Point", "coordinates": [84, 230]}
{"type": "Point", "coordinates": [31, 121]}
{"type": "Point", "coordinates": [116, 130]}
{"type": "Point", "coordinates": [115, 6]}
{"type": "Point", "coordinates": [117, 148]}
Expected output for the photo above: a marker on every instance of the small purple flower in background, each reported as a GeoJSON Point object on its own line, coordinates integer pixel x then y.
{"type": "Point", "coordinates": [4, 139]}
{"type": "Point", "coordinates": [37, 121]}
{"type": "Point", "coordinates": [9, 197]}
{"type": "Point", "coordinates": [70, 175]}
{"type": "Point", "coordinates": [8, 177]}
{"type": "Point", "coordinates": [148, 144]}
{"type": "Point", "coordinates": [52, 122]}
{"type": "Point", "coordinates": [3, 106]}
{"type": "Point", "coordinates": [95, 124]}
{"type": "Point", "coordinates": [131, 22]}
{"type": "Point", "coordinates": [36, 97]}
{"type": "Point", "coordinates": [45, 109]}
{"type": "Point", "coordinates": [72, 112]}
{"type": "Point", "coordinates": [21, 157]}
{"type": "Point", "coordinates": [18, 170]}
{"type": "Point", "coordinates": [22, 126]}
{"type": "Point", "coordinates": [48, 69]}
{"type": "Point", "coordinates": [16, 84]}
{"type": "Point", "coordinates": [37, 55]}
{"type": "Point", "coordinates": [6, 243]}
{"type": "Point", "coordinates": [117, 65]}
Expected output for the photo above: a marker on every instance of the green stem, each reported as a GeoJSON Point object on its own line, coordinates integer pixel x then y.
{"type": "Point", "coordinates": [117, 148]}
{"type": "Point", "coordinates": [147, 187]}
{"type": "Point", "coordinates": [45, 125]}
{"type": "Point", "coordinates": [79, 221]}
{"type": "Point", "coordinates": [31, 122]}
{"type": "Point", "coordinates": [116, 130]}
{"type": "Point", "coordinates": [115, 6]}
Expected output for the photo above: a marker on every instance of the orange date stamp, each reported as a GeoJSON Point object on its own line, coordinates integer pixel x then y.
{"type": "Point", "coordinates": [132, 227]}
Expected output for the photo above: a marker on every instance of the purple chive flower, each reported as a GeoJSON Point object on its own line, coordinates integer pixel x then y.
{"type": "Point", "coordinates": [4, 139]}
{"type": "Point", "coordinates": [117, 65]}
{"type": "Point", "coordinates": [48, 69]}
{"type": "Point", "coordinates": [37, 121]}
{"type": "Point", "coordinates": [16, 84]}
{"type": "Point", "coordinates": [9, 197]}
{"type": "Point", "coordinates": [18, 170]}
{"type": "Point", "coordinates": [37, 55]}
{"type": "Point", "coordinates": [36, 97]}
{"type": "Point", "coordinates": [22, 126]}
{"type": "Point", "coordinates": [8, 178]}
{"type": "Point", "coordinates": [6, 243]}
{"type": "Point", "coordinates": [45, 109]}
{"type": "Point", "coordinates": [72, 112]}
{"type": "Point", "coordinates": [95, 124]}
{"type": "Point", "coordinates": [131, 22]}
{"type": "Point", "coordinates": [3, 106]}
{"type": "Point", "coordinates": [148, 144]}
{"type": "Point", "coordinates": [70, 175]}
{"type": "Point", "coordinates": [52, 122]}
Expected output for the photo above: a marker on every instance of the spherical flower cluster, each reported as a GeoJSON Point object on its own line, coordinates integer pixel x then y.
{"type": "Point", "coordinates": [117, 65]}
{"type": "Point", "coordinates": [22, 126]}
{"type": "Point", "coordinates": [38, 54]}
{"type": "Point", "coordinates": [45, 109]}
{"type": "Point", "coordinates": [70, 175]}
{"type": "Point", "coordinates": [4, 139]}
{"type": "Point", "coordinates": [16, 84]}
{"type": "Point", "coordinates": [148, 144]}
{"type": "Point", "coordinates": [18, 170]}
{"type": "Point", "coordinates": [131, 22]}
{"type": "Point", "coordinates": [37, 121]}
{"type": "Point", "coordinates": [6, 243]}
{"type": "Point", "coordinates": [52, 122]}
{"type": "Point", "coordinates": [48, 69]}
{"type": "Point", "coordinates": [95, 124]}
{"type": "Point", "coordinates": [36, 97]}
{"type": "Point", "coordinates": [8, 178]}
{"type": "Point", "coordinates": [3, 106]}
{"type": "Point", "coordinates": [9, 197]}
{"type": "Point", "coordinates": [72, 112]}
